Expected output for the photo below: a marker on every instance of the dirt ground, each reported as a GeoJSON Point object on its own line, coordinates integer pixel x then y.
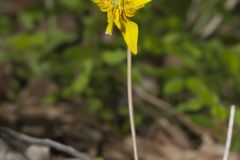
{"type": "Point", "coordinates": [72, 126]}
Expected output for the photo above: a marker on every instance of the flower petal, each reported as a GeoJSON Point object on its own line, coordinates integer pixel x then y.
{"type": "Point", "coordinates": [110, 16]}
{"type": "Point", "coordinates": [129, 30]}
{"type": "Point", "coordinates": [132, 6]}
{"type": "Point", "coordinates": [104, 5]}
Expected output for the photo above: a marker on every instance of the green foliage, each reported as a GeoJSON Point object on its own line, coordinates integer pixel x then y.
{"type": "Point", "coordinates": [173, 86]}
{"type": "Point", "coordinates": [199, 76]}
{"type": "Point", "coordinates": [113, 58]}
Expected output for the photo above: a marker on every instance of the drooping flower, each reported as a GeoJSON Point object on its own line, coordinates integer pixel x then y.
{"type": "Point", "coordinates": [118, 12]}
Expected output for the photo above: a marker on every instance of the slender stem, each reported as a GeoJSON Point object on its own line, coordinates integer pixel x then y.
{"type": "Point", "coordinates": [130, 103]}
{"type": "Point", "coordinates": [229, 133]}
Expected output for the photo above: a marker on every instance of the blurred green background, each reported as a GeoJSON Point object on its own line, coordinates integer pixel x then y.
{"type": "Point", "coordinates": [189, 59]}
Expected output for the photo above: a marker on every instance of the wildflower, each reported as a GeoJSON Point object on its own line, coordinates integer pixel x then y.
{"type": "Point", "coordinates": [118, 12]}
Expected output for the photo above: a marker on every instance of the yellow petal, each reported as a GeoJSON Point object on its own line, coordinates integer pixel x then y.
{"type": "Point", "coordinates": [110, 22]}
{"type": "Point", "coordinates": [129, 30]}
{"type": "Point", "coordinates": [104, 5]}
{"type": "Point", "coordinates": [132, 6]}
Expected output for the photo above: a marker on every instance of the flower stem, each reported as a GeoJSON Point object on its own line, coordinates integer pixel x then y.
{"type": "Point", "coordinates": [229, 133]}
{"type": "Point", "coordinates": [130, 103]}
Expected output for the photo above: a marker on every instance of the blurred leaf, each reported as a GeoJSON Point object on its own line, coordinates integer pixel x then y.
{"type": "Point", "coordinates": [219, 112]}
{"type": "Point", "coordinates": [195, 85]}
{"type": "Point", "coordinates": [123, 110]}
{"type": "Point", "coordinates": [107, 116]}
{"type": "Point", "coordinates": [192, 105]}
{"type": "Point", "coordinates": [113, 57]}
{"type": "Point", "coordinates": [29, 18]}
{"type": "Point", "coordinates": [94, 104]}
{"type": "Point", "coordinates": [81, 81]}
{"type": "Point", "coordinates": [139, 117]}
{"type": "Point", "coordinates": [203, 120]}
{"type": "Point", "coordinates": [5, 23]}
{"type": "Point", "coordinates": [73, 4]}
{"type": "Point", "coordinates": [173, 86]}
{"type": "Point", "coordinates": [232, 63]}
{"type": "Point", "coordinates": [3, 56]}
{"type": "Point", "coordinates": [25, 41]}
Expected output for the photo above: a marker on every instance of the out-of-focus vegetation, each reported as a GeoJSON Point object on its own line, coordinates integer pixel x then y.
{"type": "Point", "coordinates": [189, 56]}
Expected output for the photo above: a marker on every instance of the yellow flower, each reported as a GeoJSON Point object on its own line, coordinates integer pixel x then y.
{"type": "Point", "coordinates": [118, 12]}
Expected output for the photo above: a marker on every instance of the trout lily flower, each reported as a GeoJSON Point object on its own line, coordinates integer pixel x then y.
{"type": "Point", "coordinates": [118, 12]}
